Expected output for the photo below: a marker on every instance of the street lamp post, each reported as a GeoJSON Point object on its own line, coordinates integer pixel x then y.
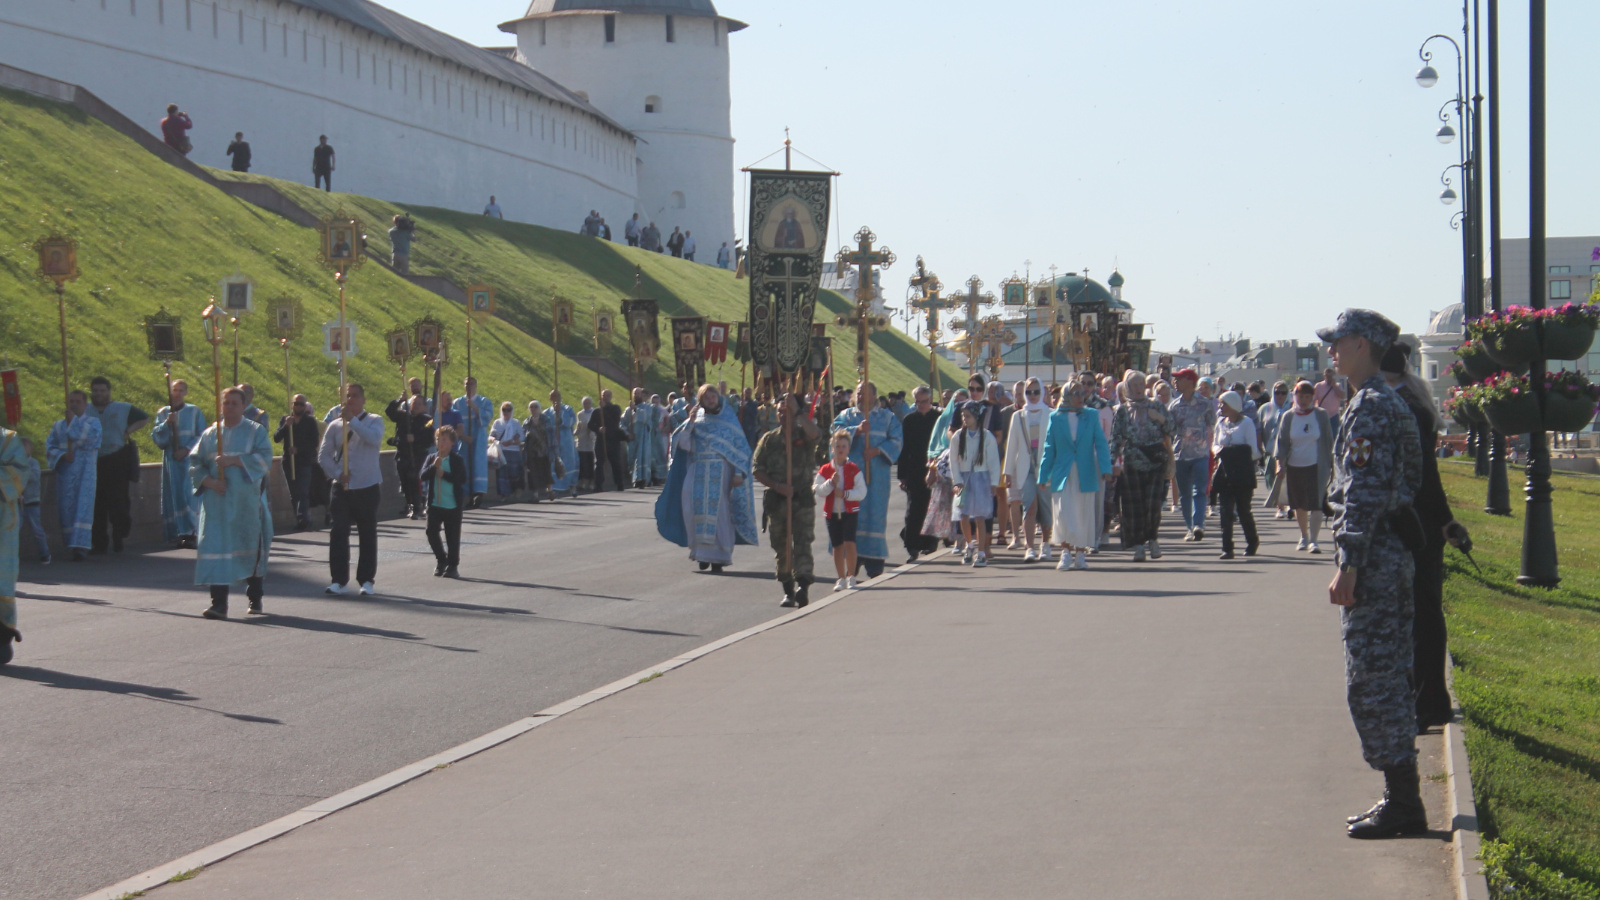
{"type": "Point", "coordinates": [1539, 566]}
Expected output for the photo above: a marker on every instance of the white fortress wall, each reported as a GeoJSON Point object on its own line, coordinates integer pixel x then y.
{"type": "Point", "coordinates": [407, 126]}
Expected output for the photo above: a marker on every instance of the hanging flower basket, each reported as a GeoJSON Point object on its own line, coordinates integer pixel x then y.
{"type": "Point", "coordinates": [1475, 362]}
{"type": "Point", "coordinates": [1567, 331]}
{"type": "Point", "coordinates": [1569, 401]}
{"type": "Point", "coordinates": [1464, 378]}
{"type": "Point", "coordinates": [1509, 403]}
{"type": "Point", "coordinates": [1462, 411]}
{"type": "Point", "coordinates": [1515, 346]}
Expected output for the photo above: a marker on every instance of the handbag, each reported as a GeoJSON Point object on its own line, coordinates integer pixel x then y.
{"type": "Point", "coordinates": [494, 452]}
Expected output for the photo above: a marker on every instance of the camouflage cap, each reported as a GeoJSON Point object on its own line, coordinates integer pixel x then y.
{"type": "Point", "coordinates": [1373, 326]}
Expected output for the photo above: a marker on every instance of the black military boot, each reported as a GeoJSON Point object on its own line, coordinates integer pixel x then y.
{"type": "Point", "coordinates": [219, 602]}
{"type": "Point", "coordinates": [788, 593]}
{"type": "Point", "coordinates": [1401, 811]}
{"type": "Point", "coordinates": [254, 592]}
{"type": "Point", "coordinates": [802, 594]}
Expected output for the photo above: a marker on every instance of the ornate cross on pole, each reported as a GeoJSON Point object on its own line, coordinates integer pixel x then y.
{"type": "Point", "coordinates": [862, 318]}
{"type": "Point", "coordinates": [994, 333]}
{"type": "Point", "coordinates": [973, 300]}
{"type": "Point", "coordinates": [931, 302]}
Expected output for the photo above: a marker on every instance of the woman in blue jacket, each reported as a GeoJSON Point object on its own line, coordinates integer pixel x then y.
{"type": "Point", "coordinates": [1076, 459]}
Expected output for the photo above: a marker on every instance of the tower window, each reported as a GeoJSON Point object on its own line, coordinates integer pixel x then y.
{"type": "Point", "coordinates": [543, 31]}
{"type": "Point", "coordinates": [611, 29]}
{"type": "Point", "coordinates": [1561, 290]}
{"type": "Point", "coordinates": [652, 104]}
{"type": "Point", "coordinates": [671, 35]}
{"type": "Point", "coordinates": [677, 200]}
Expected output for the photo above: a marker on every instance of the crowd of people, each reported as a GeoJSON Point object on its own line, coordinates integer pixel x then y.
{"type": "Point", "coordinates": [1054, 471]}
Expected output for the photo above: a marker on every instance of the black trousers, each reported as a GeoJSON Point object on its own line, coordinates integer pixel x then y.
{"type": "Point", "coordinates": [324, 180]}
{"type": "Point", "coordinates": [617, 454]}
{"type": "Point", "coordinates": [1428, 635]}
{"type": "Point", "coordinates": [917, 496]}
{"type": "Point", "coordinates": [1236, 505]}
{"type": "Point", "coordinates": [252, 590]}
{"type": "Point", "coordinates": [447, 552]}
{"type": "Point", "coordinates": [406, 471]}
{"type": "Point", "coordinates": [358, 507]}
{"type": "Point", "coordinates": [586, 467]}
{"type": "Point", "coordinates": [112, 519]}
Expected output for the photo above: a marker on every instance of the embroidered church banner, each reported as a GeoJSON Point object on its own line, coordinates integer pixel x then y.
{"type": "Point", "coordinates": [788, 233]}
{"type": "Point", "coordinates": [688, 334]}
{"type": "Point", "coordinates": [644, 334]}
{"type": "Point", "coordinates": [741, 347]}
{"type": "Point", "coordinates": [716, 342]}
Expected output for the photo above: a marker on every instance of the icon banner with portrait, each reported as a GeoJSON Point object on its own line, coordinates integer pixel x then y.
{"type": "Point", "coordinates": [716, 342]}
{"type": "Point", "coordinates": [789, 226]}
{"type": "Point", "coordinates": [238, 292]}
{"type": "Point", "coordinates": [163, 333]}
{"type": "Point", "coordinates": [480, 301]}
{"type": "Point", "coordinates": [688, 335]}
{"type": "Point", "coordinates": [644, 332]}
{"type": "Point", "coordinates": [284, 318]}
{"type": "Point", "coordinates": [336, 340]}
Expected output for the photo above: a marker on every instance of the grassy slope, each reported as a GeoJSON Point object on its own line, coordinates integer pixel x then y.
{"type": "Point", "coordinates": [151, 236]}
{"type": "Point", "coordinates": [1528, 677]}
{"type": "Point", "coordinates": [526, 263]}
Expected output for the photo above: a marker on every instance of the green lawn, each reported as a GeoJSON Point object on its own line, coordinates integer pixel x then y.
{"type": "Point", "coordinates": [150, 236]}
{"type": "Point", "coordinates": [1528, 677]}
{"type": "Point", "coordinates": [527, 264]}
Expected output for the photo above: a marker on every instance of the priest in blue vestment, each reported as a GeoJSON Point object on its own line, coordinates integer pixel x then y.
{"type": "Point", "coordinates": [864, 419]}
{"type": "Point", "coordinates": [178, 426]}
{"type": "Point", "coordinates": [14, 472]}
{"type": "Point", "coordinates": [708, 504]}
{"type": "Point", "coordinates": [477, 414]}
{"type": "Point", "coordinates": [560, 424]}
{"type": "Point", "coordinates": [73, 451]}
{"type": "Point", "coordinates": [235, 521]}
{"type": "Point", "coordinates": [642, 421]}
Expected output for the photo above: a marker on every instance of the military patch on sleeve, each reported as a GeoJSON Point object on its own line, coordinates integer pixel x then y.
{"type": "Point", "coordinates": [1360, 451]}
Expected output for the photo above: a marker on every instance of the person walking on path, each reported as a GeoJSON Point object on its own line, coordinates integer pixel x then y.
{"type": "Point", "coordinates": [1141, 446]}
{"type": "Point", "coordinates": [911, 468]}
{"type": "Point", "coordinates": [875, 428]}
{"type": "Point", "coordinates": [229, 464]}
{"type": "Point", "coordinates": [507, 435]}
{"type": "Point", "coordinates": [1377, 471]}
{"type": "Point", "coordinates": [356, 494]}
{"type": "Point", "coordinates": [413, 439]}
{"type": "Point", "coordinates": [1236, 446]}
{"type": "Point", "coordinates": [30, 506]}
{"type": "Point", "coordinates": [560, 424]}
{"type": "Point", "coordinates": [1194, 417]}
{"type": "Point", "coordinates": [477, 414]}
{"type": "Point", "coordinates": [1030, 495]}
{"type": "Point", "coordinates": [1271, 414]}
{"type": "Point", "coordinates": [974, 470]}
{"type": "Point", "coordinates": [610, 440]}
{"type": "Point", "coordinates": [1328, 395]}
{"type": "Point", "coordinates": [116, 464]}
{"type": "Point", "coordinates": [297, 432]}
{"type": "Point", "coordinates": [444, 474]}
{"type": "Point", "coordinates": [724, 257]}
{"type": "Point", "coordinates": [688, 246]}
{"type": "Point", "coordinates": [72, 451]}
{"type": "Point", "coordinates": [708, 503]}
{"type": "Point", "coordinates": [641, 422]}
{"type": "Point", "coordinates": [585, 446]}
{"type": "Point", "coordinates": [493, 209]}
{"type": "Point", "coordinates": [785, 459]}
{"type": "Point", "coordinates": [178, 426]}
{"type": "Point", "coordinates": [322, 163]}
{"type": "Point", "coordinates": [537, 462]}
{"type": "Point", "coordinates": [175, 130]}
{"type": "Point", "coordinates": [239, 150]}
{"type": "Point", "coordinates": [401, 234]}
{"type": "Point", "coordinates": [1074, 441]}
{"type": "Point", "coordinates": [1439, 526]}
{"type": "Point", "coordinates": [1303, 451]}
{"type": "Point", "coordinates": [841, 489]}
{"type": "Point", "coordinates": [651, 240]}
{"type": "Point", "coordinates": [16, 467]}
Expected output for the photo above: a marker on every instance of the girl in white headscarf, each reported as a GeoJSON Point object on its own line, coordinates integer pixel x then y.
{"type": "Point", "coordinates": [1030, 501]}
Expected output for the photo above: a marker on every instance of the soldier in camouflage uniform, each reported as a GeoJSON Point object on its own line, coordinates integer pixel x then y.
{"type": "Point", "coordinates": [787, 479]}
{"type": "Point", "coordinates": [1377, 459]}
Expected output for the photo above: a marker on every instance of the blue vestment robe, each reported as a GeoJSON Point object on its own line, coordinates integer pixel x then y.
{"type": "Point", "coordinates": [646, 456]}
{"type": "Point", "coordinates": [176, 433]}
{"type": "Point", "coordinates": [75, 481]}
{"type": "Point", "coordinates": [235, 527]}
{"type": "Point", "coordinates": [873, 517]}
{"type": "Point", "coordinates": [13, 479]}
{"type": "Point", "coordinates": [700, 508]}
{"type": "Point", "coordinates": [477, 415]}
{"type": "Point", "coordinates": [558, 424]}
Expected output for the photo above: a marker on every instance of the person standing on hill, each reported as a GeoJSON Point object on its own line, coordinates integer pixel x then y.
{"type": "Point", "coordinates": [723, 256]}
{"type": "Point", "coordinates": [493, 209]}
{"type": "Point", "coordinates": [632, 230]}
{"type": "Point", "coordinates": [240, 151]}
{"type": "Point", "coordinates": [675, 242]}
{"type": "Point", "coordinates": [688, 246]}
{"type": "Point", "coordinates": [175, 129]}
{"type": "Point", "coordinates": [322, 163]}
{"type": "Point", "coordinates": [401, 235]}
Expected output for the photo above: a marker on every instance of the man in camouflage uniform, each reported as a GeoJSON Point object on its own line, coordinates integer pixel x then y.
{"type": "Point", "coordinates": [1377, 460]}
{"type": "Point", "coordinates": [786, 473]}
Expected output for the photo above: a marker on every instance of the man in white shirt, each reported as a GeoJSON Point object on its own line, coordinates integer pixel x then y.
{"type": "Point", "coordinates": [493, 209]}
{"type": "Point", "coordinates": [688, 246]}
{"type": "Point", "coordinates": [349, 454]}
{"type": "Point", "coordinates": [632, 230]}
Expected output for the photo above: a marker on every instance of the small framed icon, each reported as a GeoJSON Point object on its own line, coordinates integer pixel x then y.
{"type": "Point", "coordinates": [337, 340]}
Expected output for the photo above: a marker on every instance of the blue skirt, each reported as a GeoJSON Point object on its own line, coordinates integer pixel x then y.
{"type": "Point", "coordinates": [977, 497]}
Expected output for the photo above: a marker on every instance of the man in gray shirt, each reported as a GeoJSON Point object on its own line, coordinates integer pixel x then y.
{"type": "Point", "coordinates": [352, 462]}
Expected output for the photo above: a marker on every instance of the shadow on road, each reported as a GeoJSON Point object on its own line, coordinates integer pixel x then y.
{"type": "Point", "coordinates": [71, 682]}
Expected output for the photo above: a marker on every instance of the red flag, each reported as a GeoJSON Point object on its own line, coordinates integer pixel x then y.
{"type": "Point", "coordinates": [8, 378]}
{"type": "Point", "coordinates": [716, 342]}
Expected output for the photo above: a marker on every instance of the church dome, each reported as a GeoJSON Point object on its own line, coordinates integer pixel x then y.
{"type": "Point", "coordinates": [1115, 280]}
{"type": "Point", "coordinates": [1447, 320]}
{"type": "Point", "coordinates": [1086, 290]}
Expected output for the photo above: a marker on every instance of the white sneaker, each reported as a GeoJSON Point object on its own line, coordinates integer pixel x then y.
{"type": "Point", "coordinates": [1016, 544]}
{"type": "Point", "coordinates": [1030, 555]}
{"type": "Point", "coordinates": [982, 561]}
{"type": "Point", "coordinates": [966, 555]}
{"type": "Point", "coordinates": [1138, 553]}
{"type": "Point", "coordinates": [1082, 562]}
{"type": "Point", "coordinates": [1155, 549]}
{"type": "Point", "coordinates": [1065, 565]}
{"type": "Point", "coordinates": [1302, 544]}
{"type": "Point", "coordinates": [839, 584]}
{"type": "Point", "coordinates": [851, 583]}
{"type": "Point", "coordinates": [1045, 554]}
{"type": "Point", "coordinates": [334, 588]}
{"type": "Point", "coordinates": [1314, 548]}
{"type": "Point", "coordinates": [367, 590]}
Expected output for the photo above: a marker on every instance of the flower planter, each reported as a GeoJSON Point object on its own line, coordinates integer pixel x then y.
{"type": "Point", "coordinates": [1463, 377]}
{"type": "Point", "coordinates": [1513, 348]}
{"type": "Point", "coordinates": [1467, 413]}
{"type": "Point", "coordinates": [1479, 366]}
{"type": "Point", "coordinates": [1517, 415]}
{"type": "Point", "coordinates": [1567, 414]}
{"type": "Point", "coordinates": [1564, 341]}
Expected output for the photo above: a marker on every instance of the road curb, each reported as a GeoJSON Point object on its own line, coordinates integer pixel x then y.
{"type": "Point", "coordinates": [215, 853]}
{"type": "Point", "coordinates": [1465, 841]}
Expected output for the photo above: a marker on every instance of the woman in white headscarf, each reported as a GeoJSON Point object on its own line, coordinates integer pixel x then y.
{"type": "Point", "coordinates": [1030, 501]}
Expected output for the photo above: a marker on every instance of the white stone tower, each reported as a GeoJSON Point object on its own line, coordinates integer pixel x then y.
{"type": "Point", "coordinates": [660, 69]}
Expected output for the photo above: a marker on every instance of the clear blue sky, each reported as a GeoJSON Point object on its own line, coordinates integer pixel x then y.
{"type": "Point", "coordinates": [1253, 166]}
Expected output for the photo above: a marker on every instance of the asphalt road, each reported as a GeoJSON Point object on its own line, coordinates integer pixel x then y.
{"type": "Point", "coordinates": [136, 731]}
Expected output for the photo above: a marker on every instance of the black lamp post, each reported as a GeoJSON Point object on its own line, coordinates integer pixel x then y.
{"type": "Point", "coordinates": [1498, 501]}
{"type": "Point", "coordinates": [1539, 566]}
